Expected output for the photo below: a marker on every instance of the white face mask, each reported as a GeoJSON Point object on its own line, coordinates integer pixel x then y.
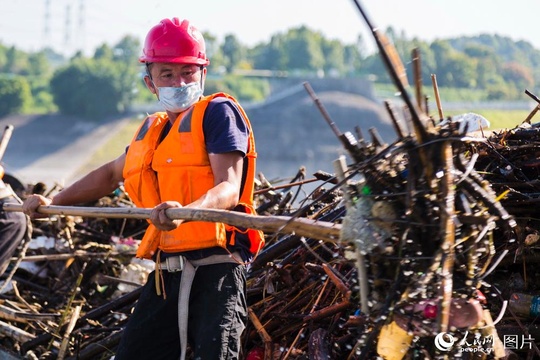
{"type": "Point", "coordinates": [178, 99]}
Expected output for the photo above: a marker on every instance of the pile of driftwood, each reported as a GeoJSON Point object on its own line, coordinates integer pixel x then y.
{"type": "Point", "coordinates": [409, 250]}
{"type": "Point", "coordinates": [436, 221]}
{"type": "Point", "coordinates": [427, 236]}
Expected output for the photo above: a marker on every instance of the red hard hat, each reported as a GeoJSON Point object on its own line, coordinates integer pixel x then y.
{"type": "Point", "coordinates": [172, 41]}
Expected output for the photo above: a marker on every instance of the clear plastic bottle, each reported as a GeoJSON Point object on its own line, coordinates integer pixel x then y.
{"type": "Point", "coordinates": [524, 304]}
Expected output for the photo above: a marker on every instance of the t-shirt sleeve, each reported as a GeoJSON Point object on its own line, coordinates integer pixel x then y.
{"type": "Point", "coordinates": [224, 127]}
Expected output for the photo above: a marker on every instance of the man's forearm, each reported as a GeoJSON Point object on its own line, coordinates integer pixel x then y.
{"type": "Point", "coordinates": [91, 187]}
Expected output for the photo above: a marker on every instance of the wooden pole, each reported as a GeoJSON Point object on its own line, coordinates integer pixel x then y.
{"type": "Point", "coordinates": [531, 114]}
{"type": "Point", "coordinates": [417, 73]}
{"type": "Point", "coordinates": [14, 332]}
{"type": "Point", "coordinates": [535, 110]}
{"type": "Point", "coordinates": [309, 228]}
{"type": "Point", "coordinates": [6, 136]}
{"type": "Point", "coordinates": [67, 334]}
{"type": "Point", "coordinates": [437, 96]}
{"type": "Point", "coordinates": [448, 228]}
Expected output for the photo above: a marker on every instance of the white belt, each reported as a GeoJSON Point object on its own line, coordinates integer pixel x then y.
{"type": "Point", "coordinates": [188, 268]}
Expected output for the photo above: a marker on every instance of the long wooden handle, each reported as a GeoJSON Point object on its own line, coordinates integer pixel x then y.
{"type": "Point", "coordinates": [310, 228]}
{"type": "Point", "coordinates": [4, 140]}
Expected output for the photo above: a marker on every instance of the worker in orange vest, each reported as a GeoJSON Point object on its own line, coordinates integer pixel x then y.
{"type": "Point", "coordinates": [198, 153]}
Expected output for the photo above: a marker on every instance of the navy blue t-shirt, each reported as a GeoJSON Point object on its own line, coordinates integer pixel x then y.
{"type": "Point", "coordinates": [225, 130]}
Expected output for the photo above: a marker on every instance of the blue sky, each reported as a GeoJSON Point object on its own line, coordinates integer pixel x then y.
{"type": "Point", "coordinates": [85, 24]}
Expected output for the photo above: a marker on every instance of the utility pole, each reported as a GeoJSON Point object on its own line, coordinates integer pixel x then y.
{"type": "Point", "coordinates": [82, 27]}
{"type": "Point", "coordinates": [67, 29]}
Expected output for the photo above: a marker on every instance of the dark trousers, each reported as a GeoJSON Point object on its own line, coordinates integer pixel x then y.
{"type": "Point", "coordinates": [12, 230]}
{"type": "Point", "coordinates": [217, 317]}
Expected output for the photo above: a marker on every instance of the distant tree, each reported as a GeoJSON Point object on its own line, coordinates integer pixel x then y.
{"type": "Point", "coordinates": [488, 65]}
{"type": "Point", "coordinates": [441, 52]}
{"type": "Point", "coordinates": [478, 51]}
{"type": "Point", "coordinates": [351, 60]}
{"type": "Point", "coordinates": [303, 50]}
{"type": "Point", "coordinates": [127, 50]}
{"type": "Point", "coordinates": [127, 69]}
{"type": "Point", "coordinates": [42, 99]}
{"type": "Point", "coordinates": [16, 62]}
{"type": "Point", "coordinates": [214, 54]}
{"type": "Point", "coordinates": [77, 56]}
{"type": "Point", "coordinates": [461, 71]}
{"type": "Point", "coordinates": [3, 58]}
{"type": "Point", "coordinates": [36, 70]}
{"type": "Point", "coordinates": [38, 65]}
{"type": "Point", "coordinates": [246, 89]}
{"type": "Point", "coordinates": [354, 55]}
{"type": "Point", "coordinates": [454, 69]}
{"type": "Point", "coordinates": [86, 88]}
{"type": "Point", "coordinates": [55, 59]}
{"type": "Point", "coordinates": [374, 67]}
{"type": "Point", "coordinates": [334, 55]}
{"type": "Point", "coordinates": [518, 74]}
{"type": "Point", "coordinates": [270, 56]}
{"type": "Point", "coordinates": [211, 43]}
{"type": "Point", "coordinates": [233, 52]}
{"type": "Point", "coordinates": [103, 52]}
{"type": "Point", "coordinates": [504, 49]}
{"type": "Point", "coordinates": [15, 95]}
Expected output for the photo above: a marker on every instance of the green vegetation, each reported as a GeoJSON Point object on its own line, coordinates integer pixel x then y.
{"type": "Point", "coordinates": [243, 88]}
{"type": "Point", "coordinates": [14, 95]}
{"type": "Point", "coordinates": [446, 94]}
{"type": "Point", "coordinates": [479, 68]}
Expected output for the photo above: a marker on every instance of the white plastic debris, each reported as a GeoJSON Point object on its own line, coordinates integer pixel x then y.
{"type": "Point", "coordinates": [42, 242]}
{"type": "Point", "coordinates": [136, 272]}
{"type": "Point", "coordinates": [473, 121]}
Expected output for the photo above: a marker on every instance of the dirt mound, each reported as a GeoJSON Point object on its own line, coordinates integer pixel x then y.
{"type": "Point", "coordinates": [292, 132]}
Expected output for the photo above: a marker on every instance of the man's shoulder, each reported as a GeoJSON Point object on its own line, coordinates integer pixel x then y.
{"type": "Point", "coordinates": [221, 105]}
{"type": "Point", "coordinates": [220, 99]}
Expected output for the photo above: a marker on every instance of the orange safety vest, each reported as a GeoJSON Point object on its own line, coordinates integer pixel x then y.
{"type": "Point", "coordinates": [179, 169]}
